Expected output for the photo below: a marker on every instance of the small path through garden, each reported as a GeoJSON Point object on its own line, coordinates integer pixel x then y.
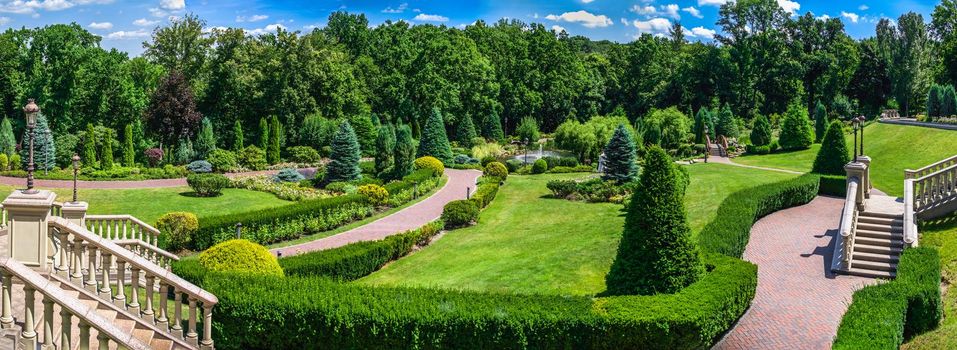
{"type": "Point", "coordinates": [180, 182]}
{"type": "Point", "coordinates": [799, 302]}
{"type": "Point", "coordinates": [412, 217]}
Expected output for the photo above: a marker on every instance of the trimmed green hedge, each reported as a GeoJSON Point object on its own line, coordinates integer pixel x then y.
{"type": "Point", "coordinates": [883, 316]}
{"type": "Point", "coordinates": [260, 313]}
{"type": "Point", "coordinates": [485, 193]}
{"type": "Point", "coordinates": [833, 185]}
{"type": "Point", "coordinates": [356, 260]}
{"type": "Point", "coordinates": [728, 234]}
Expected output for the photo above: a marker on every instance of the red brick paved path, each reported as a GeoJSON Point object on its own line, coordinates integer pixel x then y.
{"type": "Point", "coordinates": [799, 303]}
{"type": "Point", "coordinates": [412, 217]}
{"type": "Point", "coordinates": [180, 182]}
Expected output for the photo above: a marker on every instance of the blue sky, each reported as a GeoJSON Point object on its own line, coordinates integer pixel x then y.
{"type": "Point", "coordinates": [126, 24]}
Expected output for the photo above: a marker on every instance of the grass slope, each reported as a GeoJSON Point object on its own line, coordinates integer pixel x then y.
{"type": "Point", "coordinates": [892, 148]}
{"type": "Point", "coordinates": [528, 243]}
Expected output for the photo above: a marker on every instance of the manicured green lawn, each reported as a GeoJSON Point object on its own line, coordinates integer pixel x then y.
{"type": "Point", "coordinates": [892, 148]}
{"type": "Point", "coordinates": [942, 235]}
{"type": "Point", "coordinates": [148, 204]}
{"type": "Point", "coordinates": [528, 243]}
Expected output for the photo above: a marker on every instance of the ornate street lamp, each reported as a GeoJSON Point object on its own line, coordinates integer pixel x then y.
{"type": "Point", "coordinates": [30, 111]}
{"type": "Point", "coordinates": [862, 119]}
{"type": "Point", "coordinates": [76, 169]}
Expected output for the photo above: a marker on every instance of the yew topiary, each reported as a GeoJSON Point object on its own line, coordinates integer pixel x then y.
{"type": "Point", "coordinates": [761, 132]}
{"type": "Point", "coordinates": [240, 255]}
{"type": "Point", "coordinates": [497, 170]}
{"type": "Point", "coordinates": [796, 133]}
{"type": "Point", "coordinates": [833, 154]}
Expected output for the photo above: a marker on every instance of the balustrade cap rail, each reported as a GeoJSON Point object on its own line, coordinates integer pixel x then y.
{"type": "Point", "coordinates": [135, 260]}
{"type": "Point", "coordinates": [910, 226]}
{"type": "Point", "coordinates": [135, 220]}
{"type": "Point", "coordinates": [951, 159]}
{"type": "Point", "coordinates": [850, 205]}
{"type": "Point", "coordinates": [74, 306]}
{"type": "Point", "coordinates": [155, 249]}
{"type": "Point", "coordinates": [937, 173]}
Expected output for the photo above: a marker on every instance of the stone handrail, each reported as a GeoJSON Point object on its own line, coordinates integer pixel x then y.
{"type": "Point", "coordinates": [849, 222]}
{"type": "Point", "coordinates": [69, 307]}
{"type": "Point", "coordinates": [117, 227]}
{"type": "Point", "coordinates": [150, 252]}
{"type": "Point", "coordinates": [92, 246]}
{"type": "Point", "coordinates": [910, 222]}
{"type": "Point", "coordinates": [914, 174]}
{"type": "Point", "coordinates": [935, 187]}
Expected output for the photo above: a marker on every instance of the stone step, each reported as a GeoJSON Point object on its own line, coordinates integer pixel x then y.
{"type": "Point", "coordinates": [897, 221]}
{"type": "Point", "coordinates": [877, 250]}
{"type": "Point", "coordinates": [880, 235]}
{"type": "Point", "coordinates": [873, 265]}
{"type": "Point", "coordinates": [871, 273]}
{"type": "Point", "coordinates": [880, 228]}
{"type": "Point", "coordinates": [868, 241]}
{"type": "Point", "coordinates": [885, 258]}
{"type": "Point", "coordinates": [879, 215]}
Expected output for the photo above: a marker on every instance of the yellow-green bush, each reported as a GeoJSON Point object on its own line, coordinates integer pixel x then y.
{"type": "Point", "coordinates": [178, 227]}
{"type": "Point", "coordinates": [496, 169]}
{"type": "Point", "coordinates": [377, 194]}
{"type": "Point", "coordinates": [4, 161]}
{"type": "Point", "coordinates": [429, 162]}
{"type": "Point", "coordinates": [240, 255]}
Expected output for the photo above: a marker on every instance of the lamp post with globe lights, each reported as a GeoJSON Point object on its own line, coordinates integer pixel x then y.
{"type": "Point", "coordinates": [30, 111]}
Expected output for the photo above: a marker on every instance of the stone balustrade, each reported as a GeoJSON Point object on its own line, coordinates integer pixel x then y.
{"type": "Point", "coordinates": [70, 307]}
{"type": "Point", "coordinates": [910, 218]}
{"type": "Point", "coordinates": [150, 252]}
{"type": "Point", "coordinates": [88, 259]}
{"type": "Point", "coordinates": [122, 227]}
{"type": "Point", "coordinates": [848, 224]}
{"type": "Point", "coordinates": [933, 168]}
{"type": "Point", "coordinates": [935, 187]}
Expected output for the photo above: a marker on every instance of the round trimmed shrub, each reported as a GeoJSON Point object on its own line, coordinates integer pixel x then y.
{"type": "Point", "coordinates": [253, 158]}
{"type": "Point", "coordinates": [178, 227]}
{"type": "Point", "coordinates": [540, 166]}
{"type": "Point", "coordinates": [459, 213]}
{"type": "Point", "coordinates": [240, 255]}
{"type": "Point", "coordinates": [429, 162]}
{"type": "Point", "coordinates": [496, 169]}
{"type": "Point", "coordinates": [207, 185]}
{"type": "Point", "coordinates": [288, 175]}
{"type": "Point", "coordinates": [222, 160]}
{"type": "Point", "coordinates": [486, 160]}
{"type": "Point", "coordinates": [376, 194]}
{"type": "Point", "coordinates": [199, 167]}
{"type": "Point", "coordinates": [304, 154]}
{"type": "Point", "coordinates": [340, 187]}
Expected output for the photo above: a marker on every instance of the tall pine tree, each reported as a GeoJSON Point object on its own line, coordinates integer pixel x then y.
{"type": "Point", "coordinates": [620, 155]}
{"type": "Point", "coordinates": [761, 131]}
{"type": "Point", "coordinates": [344, 164]}
{"type": "Point", "coordinates": [492, 127]}
{"type": "Point", "coordinates": [44, 152]}
{"type": "Point", "coordinates": [384, 149]}
{"type": "Point", "coordinates": [465, 132]}
{"type": "Point", "coordinates": [404, 153]}
{"type": "Point", "coordinates": [434, 141]}
{"type": "Point", "coordinates": [238, 142]}
{"type": "Point", "coordinates": [727, 125]}
{"type": "Point", "coordinates": [275, 134]}
{"type": "Point", "coordinates": [206, 140]}
{"type": "Point", "coordinates": [8, 141]}
{"type": "Point", "coordinates": [656, 254]}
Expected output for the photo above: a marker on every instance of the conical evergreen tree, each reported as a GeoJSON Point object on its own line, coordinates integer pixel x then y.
{"type": "Point", "coordinates": [833, 154]}
{"type": "Point", "coordinates": [492, 128]}
{"type": "Point", "coordinates": [384, 149]}
{"type": "Point", "coordinates": [656, 253]}
{"type": "Point", "coordinates": [263, 133]}
{"type": "Point", "coordinates": [404, 153]}
{"type": "Point", "coordinates": [761, 132]}
{"type": "Point", "coordinates": [434, 141]}
{"type": "Point", "coordinates": [820, 122]}
{"type": "Point", "coordinates": [238, 142]}
{"type": "Point", "coordinates": [345, 156]}
{"type": "Point", "coordinates": [365, 132]}
{"type": "Point", "coordinates": [275, 135]}
{"type": "Point", "coordinates": [933, 101]}
{"type": "Point", "coordinates": [727, 125]}
{"type": "Point", "coordinates": [465, 132]}
{"type": "Point", "coordinates": [8, 141]}
{"type": "Point", "coordinates": [44, 152]}
{"type": "Point", "coordinates": [129, 152]}
{"type": "Point", "coordinates": [796, 132]}
{"type": "Point", "coordinates": [106, 156]}
{"type": "Point", "coordinates": [948, 102]}
{"type": "Point", "coordinates": [206, 140]}
{"type": "Point", "coordinates": [620, 154]}
{"type": "Point", "coordinates": [702, 119]}
{"type": "Point", "coordinates": [89, 147]}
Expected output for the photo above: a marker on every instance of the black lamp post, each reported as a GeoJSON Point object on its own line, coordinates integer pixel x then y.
{"type": "Point", "coordinates": [76, 169]}
{"type": "Point", "coordinates": [30, 111]}
{"type": "Point", "coordinates": [861, 119]}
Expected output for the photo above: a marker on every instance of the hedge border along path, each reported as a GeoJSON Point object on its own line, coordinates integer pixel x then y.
{"type": "Point", "coordinates": [410, 218]}
{"type": "Point", "coordinates": [799, 303]}
{"type": "Point", "coordinates": [125, 184]}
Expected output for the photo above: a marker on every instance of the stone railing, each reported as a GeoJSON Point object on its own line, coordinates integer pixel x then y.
{"type": "Point", "coordinates": [122, 227]}
{"type": "Point", "coordinates": [148, 251]}
{"type": "Point", "coordinates": [933, 168]}
{"type": "Point", "coordinates": [845, 250]}
{"type": "Point", "coordinates": [70, 307]}
{"type": "Point", "coordinates": [935, 187]}
{"type": "Point", "coordinates": [910, 218]}
{"type": "Point", "coordinates": [83, 249]}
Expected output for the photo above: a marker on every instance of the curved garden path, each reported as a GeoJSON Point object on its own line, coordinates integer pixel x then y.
{"type": "Point", "coordinates": [180, 182]}
{"type": "Point", "coordinates": [799, 302]}
{"type": "Point", "coordinates": [411, 217]}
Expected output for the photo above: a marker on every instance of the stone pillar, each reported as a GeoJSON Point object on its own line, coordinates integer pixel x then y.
{"type": "Point", "coordinates": [856, 170]}
{"type": "Point", "coordinates": [75, 212]}
{"type": "Point", "coordinates": [28, 239]}
{"type": "Point", "coordinates": [866, 182]}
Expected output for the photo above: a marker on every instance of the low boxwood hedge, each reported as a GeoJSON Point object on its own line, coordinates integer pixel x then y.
{"type": "Point", "coordinates": [728, 234]}
{"type": "Point", "coordinates": [833, 185]}
{"type": "Point", "coordinates": [485, 193]}
{"type": "Point", "coordinates": [884, 315]}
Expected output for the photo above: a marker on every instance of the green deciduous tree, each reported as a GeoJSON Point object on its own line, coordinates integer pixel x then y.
{"type": "Point", "coordinates": [796, 131]}
{"type": "Point", "coordinates": [761, 131]}
{"type": "Point", "coordinates": [620, 156]}
{"type": "Point", "coordinates": [656, 254]}
{"type": "Point", "coordinates": [906, 47]}
{"type": "Point", "coordinates": [275, 135]}
{"type": "Point", "coordinates": [820, 121]}
{"type": "Point", "coordinates": [434, 141]}
{"type": "Point", "coordinates": [527, 131]}
{"type": "Point", "coordinates": [833, 154]}
{"type": "Point", "coordinates": [345, 156]}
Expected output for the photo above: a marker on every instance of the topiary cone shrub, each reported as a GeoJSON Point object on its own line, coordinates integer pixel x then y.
{"type": "Point", "coordinates": [431, 163]}
{"type": "Point", "coordinates": [833, 154]}
{"type": "Point", "coordinates": [656, 254]}
{"type": "Point", "coordinates": [242, 256]}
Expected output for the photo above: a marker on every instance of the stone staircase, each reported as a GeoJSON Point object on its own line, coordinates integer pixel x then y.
{"type": "Point", "coordinates": [878, 244]}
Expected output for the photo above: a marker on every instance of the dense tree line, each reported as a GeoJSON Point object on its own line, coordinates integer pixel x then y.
{"type": "Point", "coordinates": [494, 75]}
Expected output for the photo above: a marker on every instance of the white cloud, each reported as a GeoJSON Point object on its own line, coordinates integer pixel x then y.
{"type": "Point", "coordinates": [824, 17]}
{"type": "Point", "coordinates": [101, 25]}
{"type": "Point", "coordinates": [173, 5]}
{"type": "Point", "coordinates": [853, 17]}
{"type": "Point", "coordinates": [127, 35]}
{"type": "Point", "coordinates": [430, 18]}
{"type": "Point", "coordinates": [31, 6]}
{"type": "Point", "coordinates": [143, 22]}
{"type": "Point", "coordinates": [212, 29]}
{"type": "Point", "coordinates": [712, 2]}
{"type": "Point", "coordinates": [863, 7]}
{"type": "Point", "coordinates": [671, 10]}
{"type": "Point", "coordinates": [643, 10]}
{"type": "Point", "coordinates": [654, 26]}
{"type": "Point", "coordinates": [253, 18]}
{"type": "Point", "coordinates": [702, 32]}
{"type": "Point", "coordinates": [558, 29]}
{"type": "Point", "coordinates": [4, 20]}
{"type": "Point", "coordinates": [789, 6]}
{"type": "Point", "coordinates": [587, 1]}
{"type": "Point", "coordinates": [272, 28]}
{"type": "Point", "coordinates": [691, 10]}
{"type": "Point", "coordinates": [155, 12]}
{"type": "Point", "coordinates": [624, 21]}
{"type": "Point", "coordinates": [399, 9]}
{"type": "Point", "coordinates": [586, 19]}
